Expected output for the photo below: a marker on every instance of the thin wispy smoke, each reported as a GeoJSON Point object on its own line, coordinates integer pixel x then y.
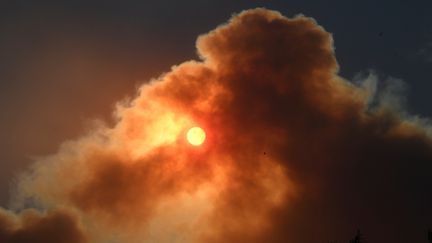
{"type": "Point", "coordinates": [293, 152]}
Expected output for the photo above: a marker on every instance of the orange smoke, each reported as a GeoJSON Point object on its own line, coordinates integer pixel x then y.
{"type": "Point", "coordinates": [282, 132]}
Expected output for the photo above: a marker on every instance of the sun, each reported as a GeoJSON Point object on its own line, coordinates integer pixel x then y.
{"type": "Point", "coordinates": [196, 136]}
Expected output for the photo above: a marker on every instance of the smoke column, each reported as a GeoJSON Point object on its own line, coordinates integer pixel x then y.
{"type": "Point", "coordinates": [293, 153]}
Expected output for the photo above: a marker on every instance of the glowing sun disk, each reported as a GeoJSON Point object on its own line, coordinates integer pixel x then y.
{"type": "Point", "coordinates": [196, 136]}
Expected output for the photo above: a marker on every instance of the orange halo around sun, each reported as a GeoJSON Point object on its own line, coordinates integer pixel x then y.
{"type": "Point", "coordinates": [196, 136]}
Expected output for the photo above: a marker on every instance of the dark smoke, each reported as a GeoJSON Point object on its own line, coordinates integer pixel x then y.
{"type": "Point", "coordinates": [294, 153]}
{"type": "Point", "coordinates": [31, 226]}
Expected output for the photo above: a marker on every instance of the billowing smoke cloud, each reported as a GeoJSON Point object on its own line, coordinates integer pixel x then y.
{"type": "Point", "coordinates": [294, 153]}
{"type": "Point", "coordinates": [31, 226]}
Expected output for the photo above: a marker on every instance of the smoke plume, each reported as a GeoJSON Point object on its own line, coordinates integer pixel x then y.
{"type": "Point", "coordinates": [294, 153]}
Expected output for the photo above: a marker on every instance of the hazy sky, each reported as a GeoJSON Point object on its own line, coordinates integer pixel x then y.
{"type": "Point", "coordinates": [64, 64]}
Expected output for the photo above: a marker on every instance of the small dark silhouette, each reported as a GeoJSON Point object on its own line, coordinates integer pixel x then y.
{"type": "Point", "coordinates": [358, 238]}
{"type": "Point", "coordinates": [380, 34]}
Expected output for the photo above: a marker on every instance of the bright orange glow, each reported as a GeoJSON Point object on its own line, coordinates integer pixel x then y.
{"type": "Point", "coordinates": [196, 136]}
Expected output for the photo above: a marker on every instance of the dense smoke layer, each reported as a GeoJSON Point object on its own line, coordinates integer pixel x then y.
{"type": "Point", "coordinates": [294, 153]}
{"type": "Point", "coordinates": [31, 226]}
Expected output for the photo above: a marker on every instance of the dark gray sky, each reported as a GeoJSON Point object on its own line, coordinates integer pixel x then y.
{"type": "Point", "coordinates": [63, 63]}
